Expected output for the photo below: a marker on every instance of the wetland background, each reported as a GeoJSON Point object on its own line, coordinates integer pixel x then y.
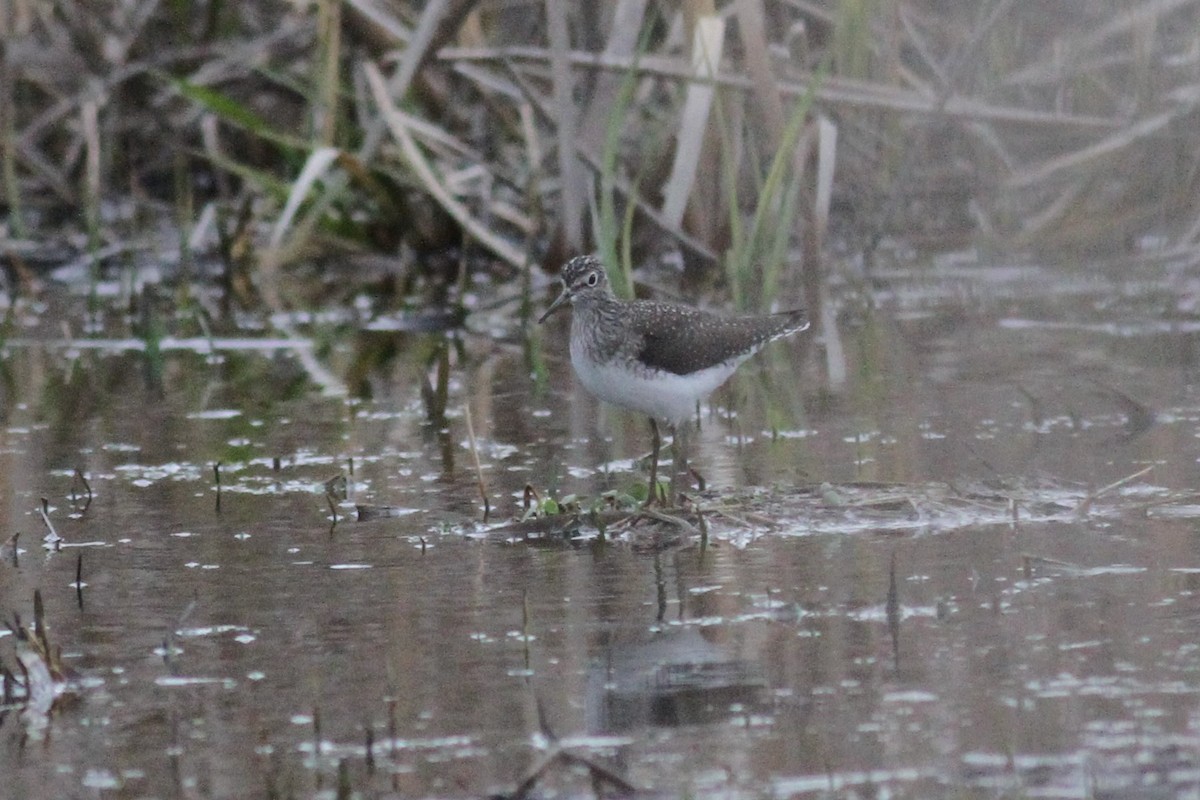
{"type": "Point", "coordinates": [303, 494]}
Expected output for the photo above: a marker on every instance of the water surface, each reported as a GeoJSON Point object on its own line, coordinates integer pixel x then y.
{"type": "Point", "coordinates": [950, 617]}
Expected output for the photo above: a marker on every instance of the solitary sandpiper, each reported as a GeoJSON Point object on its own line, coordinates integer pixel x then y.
{"type": "Point", "coordinates": [657, 358]}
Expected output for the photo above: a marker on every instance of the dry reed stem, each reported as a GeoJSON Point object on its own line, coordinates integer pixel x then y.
{"type": "Point", "coordinates": [425, 36]}
{"type": "Point", "coordinates": [1033, 223]}
{"type": "Point", "coordinates": [329, 37]}
{"type": "Point", "coordinates": [398, 124]}
{"type": "Point", "coordinates": [390, 25]}
{"type": "Point", "coordinates": [707, 46]}
{"type": "Point", "coordinates": [315, 167]}
{"type": "Point", "coordinates": [1136, 58]}
{"type": "Point", "coordinates": [827, 136]}
{"type": "Point", "coordinates": [752, 28]}
{"type": "Point", "coordinates": [622, 42]}
{"type": "Point", "coordinates": [1050, 68]}
{"type": "Point", "coordinates": [1134, 133]}
{"type": "Point", "coordinates": [570, 176]}
{"type": "Point", "coordinates": [593, 160]}
{"type": "Point", "coordinates": [834, 90]}
{"type": "Point", "coordinates": [691, 243]}
{"type": "Point", "coordinates": [91, 134]}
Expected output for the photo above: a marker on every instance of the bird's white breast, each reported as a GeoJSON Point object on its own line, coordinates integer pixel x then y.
{"type": "Point", "coordinates": [662, 395]}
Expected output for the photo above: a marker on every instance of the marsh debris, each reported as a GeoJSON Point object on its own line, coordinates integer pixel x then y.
{"type": "Point", "coordinates": [40, 682]}
{"type": "Point", "coordinates": [850, 508]}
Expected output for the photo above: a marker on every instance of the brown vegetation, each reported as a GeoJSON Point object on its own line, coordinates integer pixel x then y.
{"type": "Point", "coordinates": [270, 134]}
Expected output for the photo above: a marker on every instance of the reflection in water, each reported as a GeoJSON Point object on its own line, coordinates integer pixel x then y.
{"type": "Point", "coordinates": [1047, 648]}
{"type": "Point", "coordinates": [677, 673]}
{"type": "Point", "coordinates": [678, 677]}
{"type": "Point", "coordinates": [893, 612]}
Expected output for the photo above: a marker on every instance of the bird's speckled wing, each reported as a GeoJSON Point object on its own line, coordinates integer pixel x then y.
{"type": "Point", "coordinates": [682, 340]}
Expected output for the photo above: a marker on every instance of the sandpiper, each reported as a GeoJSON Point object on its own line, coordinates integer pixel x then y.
{"type": "Point", "coordinates": [657, 358]}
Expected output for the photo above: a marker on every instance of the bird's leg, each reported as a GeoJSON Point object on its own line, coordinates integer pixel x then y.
{"type": "Point", "coordinates": [656, 440]}
{"type": "Point", "coordinates": [679, 461]}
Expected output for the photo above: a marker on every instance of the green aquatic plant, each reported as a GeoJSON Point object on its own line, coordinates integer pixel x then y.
{"type": "Point", "coordinates": [151, 329]}
{"type": "Point", "coordinates": [756, 253]}
{"type": "Point", "coordinates": [608, 232]}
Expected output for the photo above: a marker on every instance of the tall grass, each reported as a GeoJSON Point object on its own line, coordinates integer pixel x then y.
{"type": "Point", "coordinates": [613, 242]}
{"type": "Point", "coordinates": [12, 184]}
{"type": "Point", "coordinates": [852, 37]}
{"type": "Point", "coordinates": [1044, 108]}
{"type": "Point", "coordinates": [757, 252]}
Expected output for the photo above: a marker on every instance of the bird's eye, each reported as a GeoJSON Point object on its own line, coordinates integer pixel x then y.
{"type": "Point", "coordinates": [592, 278]}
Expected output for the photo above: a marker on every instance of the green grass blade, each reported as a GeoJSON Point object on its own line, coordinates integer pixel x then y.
{"type": "Point", "coordinates": [765, 244]}
{"type": "Point", "coordinates": [621, 270]}
{"type": "Point", "coordinates": [234, 113]}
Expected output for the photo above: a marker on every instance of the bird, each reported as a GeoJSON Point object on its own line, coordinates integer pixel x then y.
{"type": "Point", "coordinates": [656, 358]}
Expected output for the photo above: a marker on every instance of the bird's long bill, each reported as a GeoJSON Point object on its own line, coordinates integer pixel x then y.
{"type": "Point", "coordinates": [557, 304]}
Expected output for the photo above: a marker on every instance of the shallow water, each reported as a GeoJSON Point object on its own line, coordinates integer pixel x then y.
{"type": "Point", "coordinates": [244, 642]}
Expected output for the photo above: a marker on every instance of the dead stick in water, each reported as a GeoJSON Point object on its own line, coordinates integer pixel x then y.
{"type": "Point", "coordinates": [79, 477]}
{"type": "Point", "coordinates": [217, 478]}
{"type": "Point", "coordinates": [487, 506]}
{"type": "Point", "coordinates": [79, 580]}
{"type": "Point", "coordinates": [44, 510]}
{"type": "Point", "coordinates": [1083, 507]}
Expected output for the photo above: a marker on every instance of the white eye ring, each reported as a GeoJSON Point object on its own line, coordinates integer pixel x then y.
{"type": "Point", "coordinates": [592, 278]}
